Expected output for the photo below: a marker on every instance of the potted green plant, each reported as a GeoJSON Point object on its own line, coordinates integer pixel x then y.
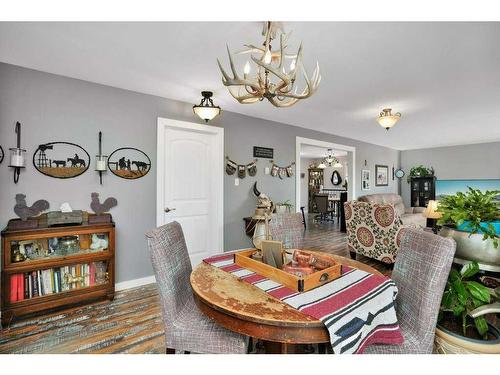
{"type": "Point", "coordinates": [419, 171]}
{"type": "Point", "coordinates": [284, 207]}
{"type": "Point", "coordinates": [472, 219]}
{"type": "Point", "coordinates": [462, 326]}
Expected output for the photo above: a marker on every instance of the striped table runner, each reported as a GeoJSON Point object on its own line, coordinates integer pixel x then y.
{"type": "Point", "coordinates": [357, 308]}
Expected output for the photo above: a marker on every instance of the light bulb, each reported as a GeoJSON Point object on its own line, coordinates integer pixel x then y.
{"type": "Point", "coordinates": [292, 65]}
{"type": "Point", "coordinates": [246, 69]}
{"type": "Point", "coordinates": [267, 57]}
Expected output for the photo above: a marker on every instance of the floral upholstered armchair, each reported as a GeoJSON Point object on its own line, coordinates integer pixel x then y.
{"type": "Point", "coordinates": [373, 230]}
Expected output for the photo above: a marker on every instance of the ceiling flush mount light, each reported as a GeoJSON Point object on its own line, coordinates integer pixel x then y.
{"type": "Point", "coordinates": [266, 77]}
{"type": "Point", "coordinates": [206, 110]}
{"type": "Point", "coordinates": [386, 119]}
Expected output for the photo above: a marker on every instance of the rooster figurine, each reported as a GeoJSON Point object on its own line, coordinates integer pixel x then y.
{"type": "Point", "coordinates": [100, 208]}
{"type": "Point", "coordinates": [24, 212]}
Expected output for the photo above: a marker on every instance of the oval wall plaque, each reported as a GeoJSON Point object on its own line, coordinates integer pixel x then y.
{"type": "Point", "coordinates": [61, 159]}
{"type": "Point", "coordinates": [130, 163]}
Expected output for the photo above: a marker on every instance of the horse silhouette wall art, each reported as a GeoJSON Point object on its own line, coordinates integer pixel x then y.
{"type": "Point", "coordinates": [128, 162]}
{"type": "Point", "coordinates": [61, 159]}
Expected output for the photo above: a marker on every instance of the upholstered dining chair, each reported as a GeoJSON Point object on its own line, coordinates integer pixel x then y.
{"type": "Point", "coordinates": [420, 273]}
{"type": "Point", "coordinates": [287, 228]}
{"type": "Point", "coordinates": [186, 328]}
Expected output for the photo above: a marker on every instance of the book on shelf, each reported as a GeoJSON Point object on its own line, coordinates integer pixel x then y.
{"type": "Point", "coordinates": [16, 287]}
{"type": "Point", "coordinates": [56, 280]}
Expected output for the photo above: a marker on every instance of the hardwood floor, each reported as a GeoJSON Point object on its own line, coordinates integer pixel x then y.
{"type": "Point", "coordinates": [132, 323]}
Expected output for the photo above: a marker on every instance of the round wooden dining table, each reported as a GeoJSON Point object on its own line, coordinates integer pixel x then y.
{"type": "Point", "coordinates": [242, 307]}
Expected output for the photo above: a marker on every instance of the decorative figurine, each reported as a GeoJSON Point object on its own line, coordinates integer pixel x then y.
{"type": "Point", "coordinates": [265, 207]}
{"type": "Point", "coordinates": [17, 256]}
{"type": "Point", "coordinates": [98, 243]}
{"type": "Point", "coordinates": [100, 209]}
{"type": "Point", "coordinates": [24, 212]}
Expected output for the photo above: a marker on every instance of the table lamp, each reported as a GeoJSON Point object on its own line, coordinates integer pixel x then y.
{"type": "Point", "coordinates": [431, 213]}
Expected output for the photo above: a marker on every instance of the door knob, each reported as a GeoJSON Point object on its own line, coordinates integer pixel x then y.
{"type": "Point", "coordinates": [169, 209]}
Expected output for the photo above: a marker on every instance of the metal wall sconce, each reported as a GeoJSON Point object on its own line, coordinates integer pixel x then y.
{"type": "Point", "coordinates": [101, 160]}
{"type": "Point", "coordinates": [17, 155]}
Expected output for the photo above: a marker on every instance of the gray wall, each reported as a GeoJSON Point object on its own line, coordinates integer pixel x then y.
{"type": "Point", "coordinates": [55, 108]}
{"type": "Point", "coordinates": [476, 161]}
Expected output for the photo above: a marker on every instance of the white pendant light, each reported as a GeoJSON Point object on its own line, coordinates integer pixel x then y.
{"type": "Point", "coordinates": [386, 119]}
{"type": "Point", "coordinates": [206, 110]}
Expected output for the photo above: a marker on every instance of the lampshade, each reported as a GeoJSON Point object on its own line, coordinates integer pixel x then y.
{"type": "Point", "coordinates": [430, 211]}
{"type": "Point", "coordinates": [206, 110]}
{"type": "Point", "coordinates": [386, 119]}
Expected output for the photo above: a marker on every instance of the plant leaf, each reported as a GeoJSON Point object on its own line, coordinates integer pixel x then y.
{"type": "Point", "coordinates": [478, 291]}
{"type": "Point", "coordinates": [454, 275]}
{"type": "Point", "coordinates": [481, 325]}
{"type": "Point", "coordinates": [458, 309]}
{"type": "Point", "coordinates": [469, 269]}
{"type": "Point", "coordinates": [460, 290]}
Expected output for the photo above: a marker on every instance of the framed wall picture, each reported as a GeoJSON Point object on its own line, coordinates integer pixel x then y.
{"type": "Point", "coordinates": [365, 179]}
{"type": "Point", "coordinates": [61, 159]}
{"type": "Point", "coordinates": [381, 175]}
{"type": "Point", "coordinates": [129, 163]}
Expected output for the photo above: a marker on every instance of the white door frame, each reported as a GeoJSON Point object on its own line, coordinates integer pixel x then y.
{"type": "Point", "coordinates": [351, 191]}
{"type": "Point", "coordinates": [218, 170]}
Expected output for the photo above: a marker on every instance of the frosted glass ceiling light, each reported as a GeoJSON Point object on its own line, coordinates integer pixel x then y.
{"type": "Point", "coordinates": [206, 110]}
{"type": "Point", "coordinates": [386, 119]}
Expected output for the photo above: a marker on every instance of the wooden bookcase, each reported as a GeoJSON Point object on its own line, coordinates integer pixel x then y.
{"type": "Point", "coordinates": [315, 181]}
{"type": "Point", "coordinates": [98, 281]}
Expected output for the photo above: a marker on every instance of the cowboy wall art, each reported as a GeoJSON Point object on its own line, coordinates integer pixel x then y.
{"type": "Point", "coordinates": [61, 159]}
{"type": "Point", "coordinates": [128, 162]}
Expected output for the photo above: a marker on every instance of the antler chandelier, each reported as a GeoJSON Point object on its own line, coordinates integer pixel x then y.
{"type": "Point", "coordinates": [270, 78]}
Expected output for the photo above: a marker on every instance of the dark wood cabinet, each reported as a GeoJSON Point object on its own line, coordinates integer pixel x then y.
{"type": "Point", "coordinates": [315, 183]}
{"type": "Point", "coordinates": [423, 189]}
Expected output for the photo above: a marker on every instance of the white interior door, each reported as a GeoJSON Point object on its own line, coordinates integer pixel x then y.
{"type": "Point", "coordinates": [190, 184]}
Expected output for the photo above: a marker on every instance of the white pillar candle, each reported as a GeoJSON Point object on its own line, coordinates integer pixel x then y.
{"type": "Point", "coordinates": [16, 160]}
{"type": "Point", "coordinates": [101, 165]}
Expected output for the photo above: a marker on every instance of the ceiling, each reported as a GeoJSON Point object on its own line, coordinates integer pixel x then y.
{"type": "Point", "coordinates": [443, 77]}
{"type": "Point", "coordinates": [310, 151]}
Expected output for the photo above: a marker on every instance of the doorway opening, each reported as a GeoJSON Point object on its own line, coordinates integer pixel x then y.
{"type": "Point", "coordinates": [317, 176]}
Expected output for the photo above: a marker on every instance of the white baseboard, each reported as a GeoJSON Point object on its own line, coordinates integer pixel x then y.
{"type": "Point", "coordinates": [135, 283]}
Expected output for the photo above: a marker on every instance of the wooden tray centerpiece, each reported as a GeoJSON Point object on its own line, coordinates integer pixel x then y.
{"type": "Point", "coordinates": [297, 283]}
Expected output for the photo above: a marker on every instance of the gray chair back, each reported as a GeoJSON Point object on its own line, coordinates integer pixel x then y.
{"type": "Point", "coordinates": [288, 228]}
{"type": "Point", "coordinates": [172, 268]}
{"type": "Point", "coordinates": [420, 272]}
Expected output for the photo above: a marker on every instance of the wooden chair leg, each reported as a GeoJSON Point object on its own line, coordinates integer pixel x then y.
{"type": "Point", "coordinates": [352, 254]}
{"type": "Point", "coordinates": [170, 351]}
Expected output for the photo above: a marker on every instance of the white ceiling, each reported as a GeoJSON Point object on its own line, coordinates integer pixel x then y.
{"type": "Point", "coordinates": [310, 151]}
{"type": "Point", "coordinates": [443, 77]}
